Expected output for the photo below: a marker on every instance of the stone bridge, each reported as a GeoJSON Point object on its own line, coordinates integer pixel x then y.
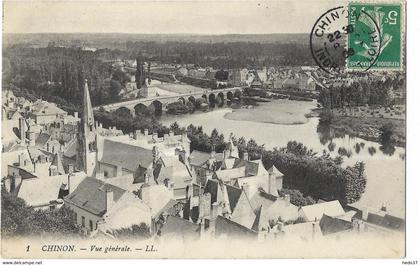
{"type": "Point", "coordinates": [210, 97]}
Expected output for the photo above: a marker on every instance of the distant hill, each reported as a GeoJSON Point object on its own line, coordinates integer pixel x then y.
{"type": "Point", "coordinates": [119, 40]}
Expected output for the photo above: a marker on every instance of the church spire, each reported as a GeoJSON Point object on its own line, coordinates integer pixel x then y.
{"type": "Point", "coordinates": [87, 144]}
{"type": "Point", "coordinates": [88, 120]}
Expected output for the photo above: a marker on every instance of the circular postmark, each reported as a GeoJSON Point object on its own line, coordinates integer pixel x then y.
{"type": "Point", "coordinates": [340, 34]}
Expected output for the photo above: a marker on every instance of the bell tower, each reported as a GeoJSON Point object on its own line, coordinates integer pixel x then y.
{"type": "Point", "coordinates": [87, 137]}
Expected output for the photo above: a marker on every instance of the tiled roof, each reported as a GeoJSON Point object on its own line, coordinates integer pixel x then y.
{"type": "Point", "coordinates": [227, 175]}
{"type": "Point", "coordinates": [316, 211]}
{"type": "Point", "coordinates": [386, 220]}
{"type": "Point", "coordinates": [46, 108]}
{"type": "Point", "coordinates": [198, 158]}
{"type": "Point", "coordinates": [232, 229]}
{"type": "Point", "coordinates": [42, 139]}
{"type": "Point", "coordinates": [40, 191]}
{"type": "Point", "coordinates": [275, 171]}
{"type": "Point", "coordinates": [126, 155]}
{"type": "Point", "coordinates": [90, 195]}
{"type": "Point", "coordinates": [251, 167]}
{"type": "Point", "coordinates": [179, 226]}
{"type": "Point", "coordinates": [330, 225]}
{"type": "Point", "coordinates": [233, 194]}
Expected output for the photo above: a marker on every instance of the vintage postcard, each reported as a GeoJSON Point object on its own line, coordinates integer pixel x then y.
{"type": "Point", "coordinates": [203, 129]}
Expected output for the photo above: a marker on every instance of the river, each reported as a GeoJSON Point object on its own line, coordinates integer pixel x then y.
{"type": "Point", "coordinates": [385, 172]}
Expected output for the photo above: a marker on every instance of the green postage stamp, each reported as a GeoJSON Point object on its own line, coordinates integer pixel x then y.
{"type": "Point", "coordinates": [377, 40]}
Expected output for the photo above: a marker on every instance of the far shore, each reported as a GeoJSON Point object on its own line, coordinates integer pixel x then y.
{"type": "Point", "coordinates": [279, 111]}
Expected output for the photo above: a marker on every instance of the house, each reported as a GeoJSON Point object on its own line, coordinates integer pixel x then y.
{"type": "Point", "coordinates": [174, 227]}
{"type": "Point", "coordinates": [98, 205]}
{"type": "Point", "coordinates": [303, 231]}
{"type": "Point", "coordinates": [173, 174]}
{"type": "Point", "coordinates": [270, 209]}
{"type": "Point", "coordinates": [44, 112]}
{"type": "Point", "coordinates": [116, 159]}
{"type": "Point", "coordinates": [314, 212]}
{"type": "Point", "coordinates": [232, 202]}
{"type": "Point", "coordinates": [330, 225]}
{"type": "Point", "coordinates": [48, 191]}
{"type": "Point", "coordinates": [227, 228]}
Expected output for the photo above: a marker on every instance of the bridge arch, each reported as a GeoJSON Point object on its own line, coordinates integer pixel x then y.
{"type": "Point", "coordinates": [204, 96]}
{"type": "Point", "coordinates": [191, 99]}
{"type": "Point", "coordinates": [158, 107]}
{"type": "Point", "coordinates": [124, 111]}
{"type": "Point", "coordinates": [140, 109]}
{"type": "Point", "coordinates": [237, 94]}
{"type": "Point", "coordinates": [220, 99]}
{"type": "Point", "coordinates": [182, 100]}
{"type": "Point", "coordinates": [212, 100]}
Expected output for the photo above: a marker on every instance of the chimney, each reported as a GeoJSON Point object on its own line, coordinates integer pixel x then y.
{"type": "Point", "coordinates": [215, 210]}
{"type": "Point", "coordinates": [119, 171]}
{"type": "Point", "coordinates": [71, 168]}
{"type": "Point", "coordinates": [383, 208]}
{"type": "Point", "coordinates": [154, 136]}
{"type": "Point", "coordinates": [137, 136]}
{"type": "Point", "coordinates": [109, 199]}
{"type": "Point", "coordinates": [76, 114]}
{"type": "Point", "coordinates": [245, 188]}
{"type": "Point", "coordinates": [165, 136]}
{"type": "Point", "coordinates": [53, 170]}
{"type": "Point", "coordinates": [171, 133]}
{"type": "Point", "coordinates": [17, 181]}
{"type": "Point", "coordinates": [313, 230]}
{"type": "Point", "coordinates": [213, 151]}
{"type": "Point", "coordinates": [272, 184]}
{"type": "Point", "coordinates": [146, 132]}
{"type": "Point", "coordinates": [155, 154]}
{"type": "Point", "coordinates": [20, 159]}
{"type": "Point", "coordinates": [22, 130]}
{"type": "Point", "coordinates": [96, 124]}
{"type": "Point", "coordinates": [246, 157]}
{"type": "Point", "coordinates": [100, 125]}
{"type": "Point", "coordinates": [287, 199]}
{"type": "Point", "coordinates": [280, 226]}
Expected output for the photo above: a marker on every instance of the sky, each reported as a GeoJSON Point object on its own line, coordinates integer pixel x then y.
{"type": "Point", "coordinates": [163, 17]}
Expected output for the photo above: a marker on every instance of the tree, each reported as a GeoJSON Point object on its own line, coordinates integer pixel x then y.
{"type": "Point", "coordinates": [326, 117]}
{"type": "Point", "coordinates": [387, 132]}
{"type": "Point", "coordinates": [20, 219]}
{"type": "Point", "coordinates": [296, 197]}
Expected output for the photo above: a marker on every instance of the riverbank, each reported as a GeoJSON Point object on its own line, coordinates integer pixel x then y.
{"type": "Point", "coordinates": [368, 128]}
{"type": "Point", "coordinates": [279, 111]}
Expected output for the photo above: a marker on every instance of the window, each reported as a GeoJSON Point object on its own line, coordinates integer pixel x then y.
{"type": "Point", "coordinates": [90, 225]}
{"type": "Point", "coordinates": [83, 221]}
{"type": "Point", "coordinates": [75, 218]}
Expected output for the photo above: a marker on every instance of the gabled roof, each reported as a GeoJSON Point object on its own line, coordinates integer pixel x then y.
{"type": "Point", "coordinates": [227, 175]}
{"type": "Point", "coordinates": [251, 167]}
{"type": "Point", "coordinates": [127, 155]}
{"type": "Point", "coordinates": [42, 139]}
{"type": "Point", "coordinates": [90, 195]}
{"type": "Point", "coordinates": [199, 158]}
{"type": "Point", "coordinates": [176, 172]}
{"type": "Point", "coordinates": [41, 107]}
{"type": "Point", "coordinates": [316, 211]}
{"type": "Point", "coordinates": [232, 229]}
{"type": "Point", "coordinates": [330, 225]}
{"type": "Point", "coordinates": [180, 227]}
{"type": "Point", "coordinates": [275, 171]}
{"type": "Point", "coordinates": [234, 194]}
{"type": "Point", "coordinates": [386, 220]}
{"type": "Point", "coordinates": [40, 191]}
